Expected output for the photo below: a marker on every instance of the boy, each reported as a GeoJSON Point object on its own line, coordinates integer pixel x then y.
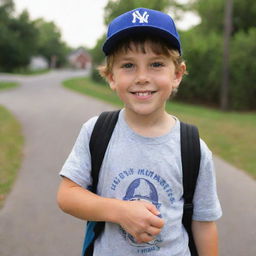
{"type": "Point", "coordinates": [139, 193]}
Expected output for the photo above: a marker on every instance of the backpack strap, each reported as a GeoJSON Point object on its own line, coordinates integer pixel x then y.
{"type": "Point", "coordinates": [190, 156]}
{"type": "Point", "coordinates": [100, 138]}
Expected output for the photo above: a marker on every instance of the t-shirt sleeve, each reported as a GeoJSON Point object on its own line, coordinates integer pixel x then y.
{"type": "Point", "coordinates": [206, 203]}
{"type": "Point", "coordinates": [77, 166]}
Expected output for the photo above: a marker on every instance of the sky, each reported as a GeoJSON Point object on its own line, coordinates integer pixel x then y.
{"type": "Point", "coordinates": [80, 21]}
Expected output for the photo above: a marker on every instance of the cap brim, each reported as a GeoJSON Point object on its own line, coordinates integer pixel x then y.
{"type": "Point", "coordinates": [111, 42]}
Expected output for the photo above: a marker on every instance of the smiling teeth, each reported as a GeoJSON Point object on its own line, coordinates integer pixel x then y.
{"type": "Point", "coordinates": [143, 93]}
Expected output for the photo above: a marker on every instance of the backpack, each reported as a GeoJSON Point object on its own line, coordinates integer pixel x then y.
{"type": "Point", "coordinates": [190, 156]}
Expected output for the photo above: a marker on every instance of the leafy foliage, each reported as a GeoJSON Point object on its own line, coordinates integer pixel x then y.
{"type": "Point", "coordinates": [17, 38]}
{"type": "Point", "coordinates": [50, 44]}
{"type": "Point", "coordinates": [203, 57]}
{"type": "Point", "coordinates": [21, 38]}
{"type": "Point", "coordinates": [243, 64]}
{"type": "Point", "coordinates": [203, 49]}
{"type": "Point", "coordinates": [212, 14]}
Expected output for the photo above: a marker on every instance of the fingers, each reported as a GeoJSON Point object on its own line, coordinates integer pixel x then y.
{"type": "Point", "coordinates": [152, 209]}
{"type": "Point", "coordinates": [156, 221]}
{"type": "Point", "coordinates": [144, 238]}
{"type": "Point", "coordinates": [148, 236]}
{"type": "Point", "coordinates": [153, 231]}
{"type": "Point", "coordinates": [141, 220]}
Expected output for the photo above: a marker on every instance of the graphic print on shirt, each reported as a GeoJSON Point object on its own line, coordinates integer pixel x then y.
{"type": "Point", "coordinates": [142, 190]}
{"type": "Point", "coordinates": [143, 185]}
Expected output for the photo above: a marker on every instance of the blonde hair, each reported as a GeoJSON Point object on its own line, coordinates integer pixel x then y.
{"type": "Point", "coordinates": [138, 42]}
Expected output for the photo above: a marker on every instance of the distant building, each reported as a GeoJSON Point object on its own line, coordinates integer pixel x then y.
{"type": "Point", "coordinates": [80, 59]}
{"type": "Point", "coordinates": [38, 63]}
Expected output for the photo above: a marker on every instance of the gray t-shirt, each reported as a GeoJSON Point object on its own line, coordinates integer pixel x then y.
{"type": "Point", "coordinates": [143, 168]}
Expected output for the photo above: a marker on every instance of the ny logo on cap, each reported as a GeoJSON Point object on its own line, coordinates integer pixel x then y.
{"type": "Point", "coordinates": [142, 18]}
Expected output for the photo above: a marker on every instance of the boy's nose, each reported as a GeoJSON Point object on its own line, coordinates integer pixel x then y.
{"type": "Point", "coordinates": [141, 76]}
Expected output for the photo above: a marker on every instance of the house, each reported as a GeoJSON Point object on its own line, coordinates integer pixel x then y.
{"type": "Point", "coordinates": [38, 63]}
{"type": "Point", "coordinates": [80, 59]}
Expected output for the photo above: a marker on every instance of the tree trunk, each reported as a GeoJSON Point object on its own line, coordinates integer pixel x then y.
{"type": "Point", "coordinates": [224, 93]}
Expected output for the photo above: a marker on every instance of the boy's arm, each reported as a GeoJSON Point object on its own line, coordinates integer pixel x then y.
{"type": "Point", "coordinates": [137, 218]}
{"type": "Point", "coordinates": [205, 237]}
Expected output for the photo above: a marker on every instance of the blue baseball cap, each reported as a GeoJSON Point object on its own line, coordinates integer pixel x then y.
{"type": "Point", "coordinates": [142, 20]}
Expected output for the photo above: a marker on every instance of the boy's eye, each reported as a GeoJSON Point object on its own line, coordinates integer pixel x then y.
{"type": "Point", "coordinates": [127, 65]}
{"type": "Point", "coordinates": [157, 64]}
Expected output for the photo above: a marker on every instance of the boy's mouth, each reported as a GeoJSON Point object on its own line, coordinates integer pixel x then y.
{"type": "Point", "coordinates": [143, 93]}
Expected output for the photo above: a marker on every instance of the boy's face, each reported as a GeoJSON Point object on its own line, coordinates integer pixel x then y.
{"type": "Point", "coordinates": [144, 81]}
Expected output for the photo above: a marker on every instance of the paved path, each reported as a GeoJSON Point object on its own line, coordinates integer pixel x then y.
{"type": "Point", "coordinates": [31, 223]}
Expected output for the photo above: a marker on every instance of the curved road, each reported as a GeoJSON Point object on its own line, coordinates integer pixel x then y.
{"type": "Point", "coordinates": [31, 223]}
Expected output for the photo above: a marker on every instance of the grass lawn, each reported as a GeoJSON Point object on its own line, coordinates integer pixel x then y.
{"type": "Point", "coordinates": [230, 135]}
{"type": "Point", "coordinates": [11, 142]}
{"type": "Point", "coordinates": [7, 85]}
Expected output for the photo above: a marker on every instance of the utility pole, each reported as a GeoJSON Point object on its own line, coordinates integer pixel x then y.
{"type": "Point", "coordinates": [224, 93]}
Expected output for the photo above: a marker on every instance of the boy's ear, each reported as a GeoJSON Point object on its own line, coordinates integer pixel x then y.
{"type": "Point", "coordinates": [111, 81]}
{"type": "Point", "coordinates": [179, 75]}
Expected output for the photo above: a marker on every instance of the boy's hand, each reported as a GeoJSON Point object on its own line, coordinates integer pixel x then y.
{"type": "Point", "coordinates": [140, 220]}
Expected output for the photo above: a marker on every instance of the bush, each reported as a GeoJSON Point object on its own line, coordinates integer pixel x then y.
{"type": "Point", "coordinates": [96, 76]}
{"type": "Point", "coordinates": [243, 66]}
{"type": "Point", "coordinates": [203, 59]}
{"type": "Point", "coordinates": [203, 55]}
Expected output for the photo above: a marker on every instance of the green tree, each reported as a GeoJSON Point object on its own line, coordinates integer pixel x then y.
{"type": "Point", "coordinates": [50, 44]}
{"type": "Point", "coordinates": [6, 9]}
{"type": "Point", "coordinates": [24, 38]}
{"type": "Point", "coordinates": [212, 14]}
{"type": "Point", "coordinates": [203, 60]}
{"type": "Point", "coordinates": [243, 64]}
{"type": "Point", "coordinates": [241, 60]}
{"type": "Point", "coordinates": [17, 38]}
{"type": "Point", "coordinates": [21, 38]}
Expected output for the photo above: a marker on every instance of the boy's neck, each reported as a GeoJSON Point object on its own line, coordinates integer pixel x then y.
{"type": "Point", "coordinates": [153, 125]}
